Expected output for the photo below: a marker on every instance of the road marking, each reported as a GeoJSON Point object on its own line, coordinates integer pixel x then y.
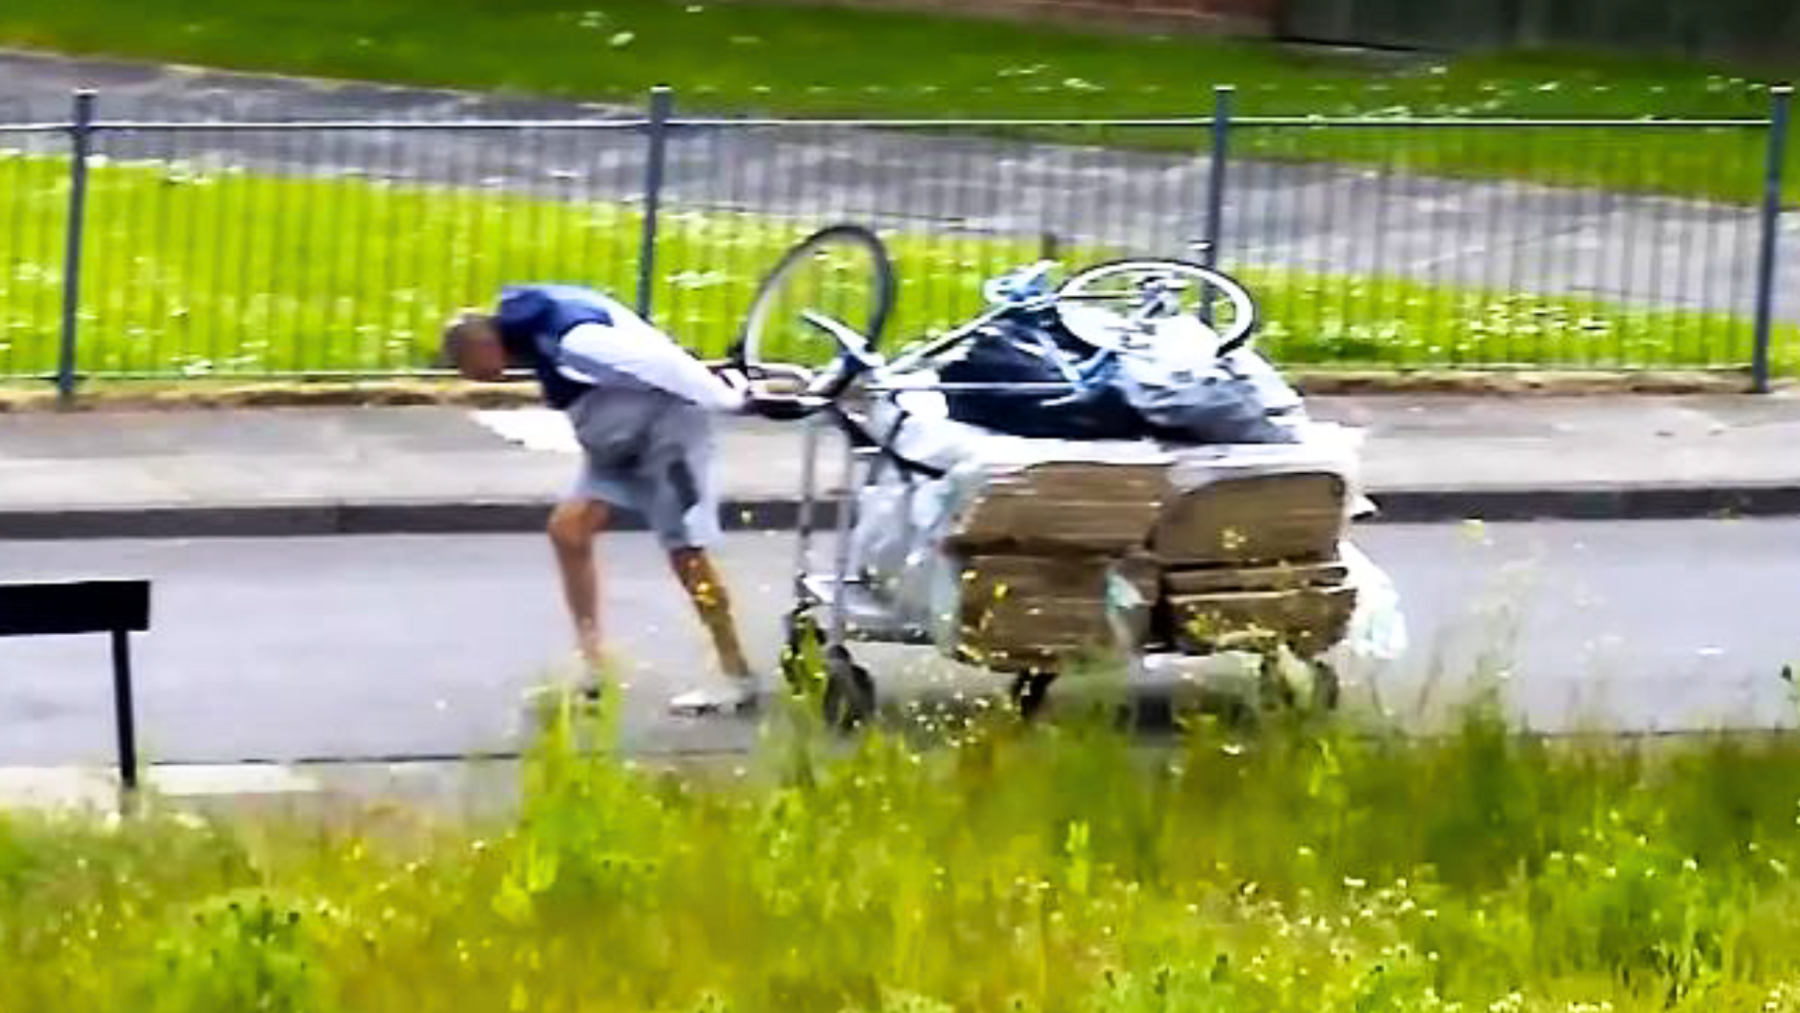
{"type": "Point", "coordinates": [543, 429]}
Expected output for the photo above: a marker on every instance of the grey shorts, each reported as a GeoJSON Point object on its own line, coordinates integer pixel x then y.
{"type": "Point", "coordinates": [650, 454]}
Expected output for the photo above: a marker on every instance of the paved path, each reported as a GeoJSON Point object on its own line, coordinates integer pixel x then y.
{"type": "Point", "coordinates": [402, 470]}
{"type": "Point", "coordinates": [1316, 218]}
{"type": "Point", "coordinates": [377, 647]}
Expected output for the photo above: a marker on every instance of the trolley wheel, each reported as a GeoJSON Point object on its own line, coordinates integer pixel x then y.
{"type": "Point", "coordinates": [849, 699]}
{"type": "Point", "coordinates": [1030, 691]}
{"type": "Point", "coordinates": [1328, 689]}
{"type": "Point", "coordinates": [1322, 687]}
{"type": "Point", "coordinates": [801, 651]}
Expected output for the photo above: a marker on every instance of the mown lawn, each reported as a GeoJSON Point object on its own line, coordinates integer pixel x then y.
{"type": "Point", "coordinates": [189, 273]}
{"type": "Point", "coordinates": [981, 867]}
{"type": "Point", "coordinates": [743, 55]}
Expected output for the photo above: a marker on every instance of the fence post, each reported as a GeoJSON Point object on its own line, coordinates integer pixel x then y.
{"type": "Point", "coordinates": [81, 139]}
{"type": "Point", "coordinates": [1215, 179]}
{"type": "Point", "coordinates": [1215, 188]}
{"type": "Point", "coordinates": [662, 104]}
{"type": "Point", "coordinates": [1780, 101]}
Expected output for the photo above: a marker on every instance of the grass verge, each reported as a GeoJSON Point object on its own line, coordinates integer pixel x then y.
{"type": "Point", "coordinates": [797, 59]}
{"type": "Point", "coordinates": [1059, 868]}
{"type": "Point", "coordinates": [193, 274]}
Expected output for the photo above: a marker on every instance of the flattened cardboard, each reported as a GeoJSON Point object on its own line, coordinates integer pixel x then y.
{"type": "Point", "coordinates": [1281, 577]}
{"type": "Point", "coordinates": [1254, 519]}
{"type": "Point", "coordinates": [1064, 507]}
{"type": "Point", "coordinates": [1310, 620]}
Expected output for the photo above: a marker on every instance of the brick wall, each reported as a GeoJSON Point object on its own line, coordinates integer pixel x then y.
{"type": "Point", "coordinates": [1199, 13]}
{"type": "Point", "coordinates": [1252, 17]}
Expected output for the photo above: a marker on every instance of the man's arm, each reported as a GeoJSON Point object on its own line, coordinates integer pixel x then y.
{"type": "Point", "coordinates": [647, 355]}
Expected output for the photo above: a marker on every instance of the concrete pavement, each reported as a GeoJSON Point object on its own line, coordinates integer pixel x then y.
{"type": "Point", "coordinates": [462, 789]}
{"type": "Point", "coordinates": [251, 472]}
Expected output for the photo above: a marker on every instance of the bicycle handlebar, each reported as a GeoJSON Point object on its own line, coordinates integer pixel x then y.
{"type": "Point", "coordinates": [823, 387]}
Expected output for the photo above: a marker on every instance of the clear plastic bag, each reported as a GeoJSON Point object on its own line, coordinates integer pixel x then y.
{"type": "Point", "coordinates": [1377, 625]}
{"type": "Point", "coordinates": [882, 538]}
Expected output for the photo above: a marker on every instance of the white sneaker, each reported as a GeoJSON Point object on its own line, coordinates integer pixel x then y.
{"type": "Point", "coordinates": [731, 698]}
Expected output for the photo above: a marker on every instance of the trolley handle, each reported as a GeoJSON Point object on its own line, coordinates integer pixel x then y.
{"type": "Point", "coordinates": [823, 388]}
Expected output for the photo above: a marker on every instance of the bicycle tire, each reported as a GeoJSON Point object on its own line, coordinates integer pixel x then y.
{"type": "Point", "coordinates": [748, 352]}
{"type": "Point", "coordinates": [1244, 318]}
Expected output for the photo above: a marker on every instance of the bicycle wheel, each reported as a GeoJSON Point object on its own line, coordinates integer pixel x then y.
{"type": "Point", "coordinates": [1099, 303]}
{"type": "Point", "coordinates": [843, 272]}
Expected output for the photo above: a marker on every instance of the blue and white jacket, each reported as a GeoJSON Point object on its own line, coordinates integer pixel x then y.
{"type": "Point", "coordinates": [577, 340]}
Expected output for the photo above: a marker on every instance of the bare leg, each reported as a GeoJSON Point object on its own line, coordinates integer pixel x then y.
{"type": "Point", "coordinates": [694, 568]}
{"type": "Point", "coordinates": [573, 526]}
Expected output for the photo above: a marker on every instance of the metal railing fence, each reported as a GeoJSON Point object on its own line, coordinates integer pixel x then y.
{"type": "Point", "coordinates": [138, 248]}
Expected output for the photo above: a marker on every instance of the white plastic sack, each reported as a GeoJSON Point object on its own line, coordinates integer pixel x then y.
{"type": "Point", "coordinates": [1377, 624]}
{"type": "Point", "coordinates": [1322, 447]}
{"type": "Point", "coordinates": [1276, 394]}
{"type": "Point", "coordinates": [929, 436]}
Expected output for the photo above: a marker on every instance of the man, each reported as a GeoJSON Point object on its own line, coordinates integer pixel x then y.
{"type": "Point", "coordinates": [640, 406]}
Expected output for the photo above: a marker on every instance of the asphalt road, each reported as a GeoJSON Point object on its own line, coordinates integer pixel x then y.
{"type": "Point", "coordinates": [422, 646]}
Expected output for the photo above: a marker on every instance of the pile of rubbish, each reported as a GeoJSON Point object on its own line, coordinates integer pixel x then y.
{"type": "Point", "coordinates": [1175, 499]}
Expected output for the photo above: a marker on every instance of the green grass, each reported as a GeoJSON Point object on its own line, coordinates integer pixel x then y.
{"type": "Point", "coordinates": [793, 59]}
{"type": "Point", "coordinates": [234, 274]}
{"type": "Point", "coordinates": [1059, 868]}
{"type": "Point", "coordinates": [1327, 320]}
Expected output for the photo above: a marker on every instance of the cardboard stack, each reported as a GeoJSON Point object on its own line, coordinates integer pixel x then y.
{"type": "Point", "coordinates": [1034, 560]}
{"type": "Point", "coordinates": [1063, 508]}
{"type": "Point", "coordinates": [1023, 612]}
{"type": "Point", "coordinates": [1039, 548]}
{"type": "Point", "coordinates": [1256, 555]}
{"type": "Point", "coordinates": [1252, 520]}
